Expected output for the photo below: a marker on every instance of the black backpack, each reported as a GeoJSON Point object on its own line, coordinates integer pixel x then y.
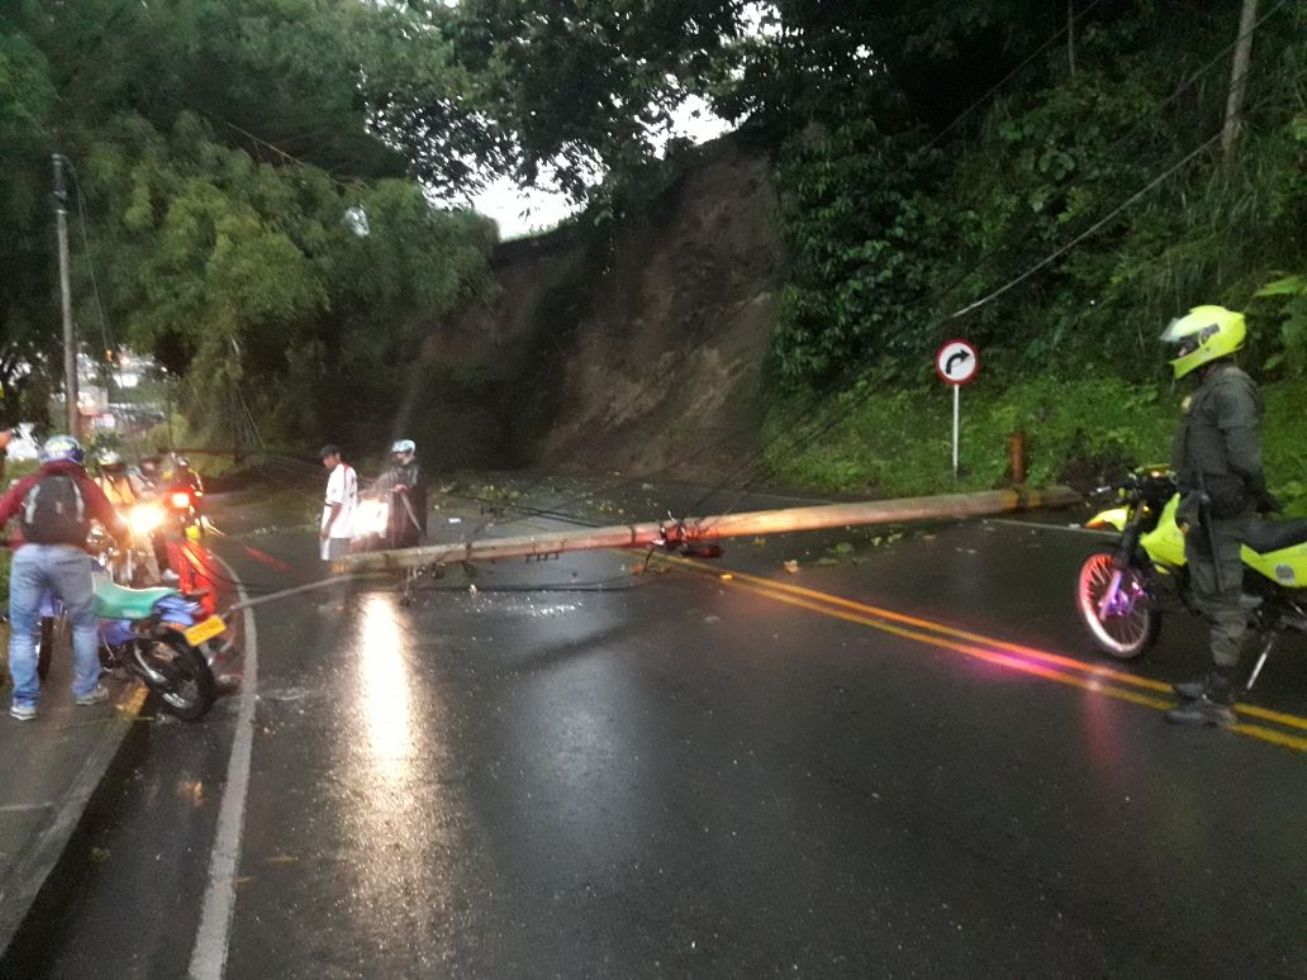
{"type": "Point", "coordinates": [54, 512]}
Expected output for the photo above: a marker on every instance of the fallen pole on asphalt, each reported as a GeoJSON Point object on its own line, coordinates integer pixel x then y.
{"type": "Point", "coordinates": [674, 533]}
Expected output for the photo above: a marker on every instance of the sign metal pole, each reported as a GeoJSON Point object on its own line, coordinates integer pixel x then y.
{"type": "Point", "coordinates": [957, 415]}
{"type": "Point", "coordinates": [956, 363]}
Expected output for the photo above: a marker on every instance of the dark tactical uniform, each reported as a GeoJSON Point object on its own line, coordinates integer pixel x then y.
{"type": "Point", "coordinates": [1218, 463]}
{"type": "Point", "coordinates": [408, 524]}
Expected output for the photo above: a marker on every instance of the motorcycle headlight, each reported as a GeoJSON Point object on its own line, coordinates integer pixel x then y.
{"type": "Point", "coordinates": [145, 518]}
{"type": "Point", "coordinates": [182, 501]}
{"type": "Point", "coordinates": [371, 518]}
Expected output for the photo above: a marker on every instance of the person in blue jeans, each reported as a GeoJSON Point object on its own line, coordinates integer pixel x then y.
{"type": "Point", "coordinates": [55, 507]}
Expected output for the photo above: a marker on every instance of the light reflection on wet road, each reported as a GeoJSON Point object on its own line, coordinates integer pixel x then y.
{"type": "Point", "coordinates": [391, 744]}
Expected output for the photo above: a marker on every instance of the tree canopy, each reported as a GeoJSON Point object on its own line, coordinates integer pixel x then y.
{"type": "Point", "coordinates": [272, 187]}
{"type": "Point", "coordinates": [247, 220]}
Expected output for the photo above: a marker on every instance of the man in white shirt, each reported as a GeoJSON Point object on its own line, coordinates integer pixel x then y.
{"type": "Point", "coordinates": [339, 506]}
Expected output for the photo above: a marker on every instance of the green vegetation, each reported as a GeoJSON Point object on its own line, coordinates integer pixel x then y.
{"type": "Point", "coordinates": [1046, 179]}
{"type": "Point", "coordinates": [248, 224]}
{"type": "Point", "coordinates": [893, 230]}
{"type": "Point", "coordinates": [930, 153]}
{"type": "Point", "coordinates": [897, 442]}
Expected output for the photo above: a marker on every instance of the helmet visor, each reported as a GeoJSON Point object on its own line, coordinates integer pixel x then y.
{"type": "Point", "coordinates": [1186, 336]}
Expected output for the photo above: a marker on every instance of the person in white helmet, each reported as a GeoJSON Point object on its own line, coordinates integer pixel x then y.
{"type": "Point", "coordinates": [406, 485]}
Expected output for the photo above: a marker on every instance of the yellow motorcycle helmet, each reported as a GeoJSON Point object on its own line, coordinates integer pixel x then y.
{"type": "Point", "coordinates": [1203, 335]}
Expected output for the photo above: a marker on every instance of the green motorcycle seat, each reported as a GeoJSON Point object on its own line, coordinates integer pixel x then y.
{"type": "Point", "coordinates": [115, 602]}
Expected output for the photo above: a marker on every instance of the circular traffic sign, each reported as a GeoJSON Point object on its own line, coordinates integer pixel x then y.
{"type": "Point", "coordinates": [957, 362]}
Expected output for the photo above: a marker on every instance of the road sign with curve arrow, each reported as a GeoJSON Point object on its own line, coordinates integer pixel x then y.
{"type": "Point", "coordinates": [957, 363]}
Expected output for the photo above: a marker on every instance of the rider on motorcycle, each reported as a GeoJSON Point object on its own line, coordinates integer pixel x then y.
{"type": "Point", "coordinates": [151, 468]}
{"type": "Point", "coordinates": [407, 489]}
{"type": "Point", "coordinates": [123, 488]}
{"type": "Point", "coordinates": [126, 490]}
{"type": "Point", "coordinates": [1218, 464]}
{"type": "Point", "coordinates": [186, 479]}
{"type": "Point", "coordinates": [55, 505]}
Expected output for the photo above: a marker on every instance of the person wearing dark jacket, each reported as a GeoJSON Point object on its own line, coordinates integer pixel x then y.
{"type": "Point", "coordinates": [1218, 466]}
{"type": "Point", "coordinates": [406, 486]}
{"type": "Point", "coordinates": [55, 506]}
{"type": "Point", "coordinates": [185, 479]}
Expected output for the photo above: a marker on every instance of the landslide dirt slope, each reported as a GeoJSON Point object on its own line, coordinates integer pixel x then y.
{"type": "Point", "coordinates": [639, 347]}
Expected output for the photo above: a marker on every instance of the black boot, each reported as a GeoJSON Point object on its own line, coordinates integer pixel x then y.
{"type": "Point", "coordinates": [1214, 704]}
{"type": "Point", "coordinates": [1190, 690]}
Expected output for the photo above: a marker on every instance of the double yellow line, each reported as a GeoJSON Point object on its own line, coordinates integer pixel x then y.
{"type": "Point", "coordinates": [1095, 678]}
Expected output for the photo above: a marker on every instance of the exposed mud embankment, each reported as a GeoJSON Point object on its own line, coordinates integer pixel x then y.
{"type": "Point", "coordinates": [636, 346]}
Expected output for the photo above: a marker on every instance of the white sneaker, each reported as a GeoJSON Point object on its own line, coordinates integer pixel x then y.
{"type": "Point", "coordinates": [22, 712]}
{"type": "Point", "coordinates": [101, 693]}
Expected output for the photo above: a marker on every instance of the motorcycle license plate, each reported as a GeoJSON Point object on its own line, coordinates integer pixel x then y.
{"type": "Point", "coordinates": [206, 630]}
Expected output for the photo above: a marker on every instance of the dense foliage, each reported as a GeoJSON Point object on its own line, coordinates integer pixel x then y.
{"type": "Point", "coordinates": [893, 229]}
{"type": "Point", "coordinates": [930, 152]}
{"type": "Point", "coordinates": [246, 224]}
{"type": "Point", "coordinates": [259, 177]}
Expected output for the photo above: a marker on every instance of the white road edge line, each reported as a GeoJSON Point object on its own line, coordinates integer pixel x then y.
{"type": "Point", "coordinates": [213, 938]}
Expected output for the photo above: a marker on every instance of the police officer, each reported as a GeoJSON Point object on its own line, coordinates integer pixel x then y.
{"type": "Point", "coordinates": [1218, 464]}
{"type": "Point", "coordinates": [407, 487]}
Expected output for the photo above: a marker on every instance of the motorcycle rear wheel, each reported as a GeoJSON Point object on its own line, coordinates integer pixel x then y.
{"type": "Point", "coordinates": [178, 673]}
{"type": "Point", "coordinates": [1130, 634]}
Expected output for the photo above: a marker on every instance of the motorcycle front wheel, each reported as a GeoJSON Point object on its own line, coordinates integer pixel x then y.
{"type": "Point", "coordinates": [1127, 624]}
{"type": "Point", "coordinates": [178, 673]}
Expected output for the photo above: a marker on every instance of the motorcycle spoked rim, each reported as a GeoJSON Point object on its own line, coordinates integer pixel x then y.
{"type": "Point", "coordinates": [1095, 577]}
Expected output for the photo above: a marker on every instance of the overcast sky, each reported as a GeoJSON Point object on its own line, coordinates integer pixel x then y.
{"type": "Point", "coordinates": [521, 212]}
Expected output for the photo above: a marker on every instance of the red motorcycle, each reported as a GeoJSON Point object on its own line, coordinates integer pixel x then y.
{"type": "Point", "coordinates": [182, 504]}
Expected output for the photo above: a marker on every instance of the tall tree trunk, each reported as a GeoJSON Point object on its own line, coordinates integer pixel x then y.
{"type": "Point", "coordinates": [1071, 36]}
{"type": "Point", "coordinates": [1238, 78]}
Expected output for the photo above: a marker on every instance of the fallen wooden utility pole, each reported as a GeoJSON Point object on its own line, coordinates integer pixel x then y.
{"type": "Point", "coordinates": [694, 529]}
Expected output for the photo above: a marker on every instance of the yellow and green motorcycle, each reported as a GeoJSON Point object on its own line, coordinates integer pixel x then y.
{"type": "Point", "coordinates": [1124, 587]}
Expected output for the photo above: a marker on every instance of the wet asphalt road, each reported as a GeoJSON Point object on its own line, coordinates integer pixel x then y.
{"type": "Point", "coordinates": [576, 771]}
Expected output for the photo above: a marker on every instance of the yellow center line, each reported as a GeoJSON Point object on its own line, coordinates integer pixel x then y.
{"type": "Point", "coordinates": [1045, 665]}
